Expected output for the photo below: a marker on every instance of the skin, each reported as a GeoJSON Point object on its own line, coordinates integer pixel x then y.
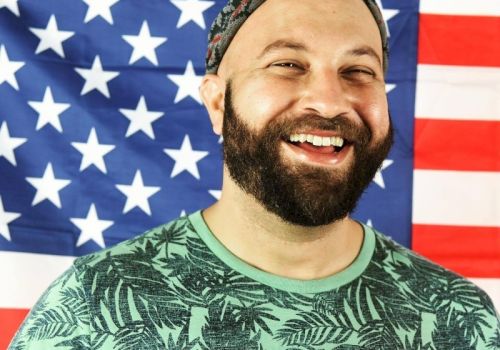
{"type": "Point", "coordinates": [293, 58]}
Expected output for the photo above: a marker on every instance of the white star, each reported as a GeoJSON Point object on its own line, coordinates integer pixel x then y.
{"type": "Point", "coordinates": [137, 194]}
{"type": "Point", "coordinates": [8, 69]}
{"type": "Point", "coordinates": [9, 144]}
{"type": "Point", "coordinates": [141, 119]}
{"type": "Point", "coordinates": [183, 213]}
{"type": "Point", "coordinates": [11, 5]}
{"type": "Point", "coordinates": [51, 37]}
{"type": "Point", "coordinates": [369, 223]}
{"type": "Point", "coordinates": [379, 179]}
{"type": "Point", "coordinates": [93, 152]}
{"type": "Point", "coordinates": [389, 87]}
{"type": "Point", "coordinates": [48, 110]}
{"type": "Point", "coordinates": [144, 44]}
{"type": "Point", "coordinates": [387, 14]}
{"type": "Point", "coordinates": [188, 83]}
{"type": "Point", "coordinates": [99, 8]}
{"type": "Point", "coordinates": [96, 78]}
{"type": "Point", "coordinates": [185, 158]}
{"type": "Point", "coordinates": [6, 217]}
{"type": "Point", "coordinates": [47, 187]}
{"type": "Point", "coordinates": [215, 193]}
{"type": "Point", "coordinates": [91, 228]}
{"type": "Point", "coordinates": [192, 10]}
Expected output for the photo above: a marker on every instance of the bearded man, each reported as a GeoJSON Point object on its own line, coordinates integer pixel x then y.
{"type": "Point", "coordinates": [296, 89]}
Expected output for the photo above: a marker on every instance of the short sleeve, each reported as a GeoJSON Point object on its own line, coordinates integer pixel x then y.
{"type": "Point", "coordinates": [59, 320]}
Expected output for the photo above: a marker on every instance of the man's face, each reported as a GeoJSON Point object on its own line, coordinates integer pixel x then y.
{"type": "Point", "coordinates": [298, 192]}
{"type": "Point", "coordinates": [306, 122]}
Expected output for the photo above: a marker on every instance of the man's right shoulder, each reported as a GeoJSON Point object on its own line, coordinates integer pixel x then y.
{"type": "Point", "coordinates": [146, 245]}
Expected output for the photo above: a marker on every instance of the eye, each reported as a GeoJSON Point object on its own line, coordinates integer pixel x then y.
{"type": "Point", "coordinates": [360, 71]}
{"type": "Point", "coordinates": [285, 65]}
{"type": "Point", "coordinates": [288, 65]}
{"type": "Point", "coordinates": [359, 74]}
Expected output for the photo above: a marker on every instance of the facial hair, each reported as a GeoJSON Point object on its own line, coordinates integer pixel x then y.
{"type": "Point", "coordinates": [300, 194]}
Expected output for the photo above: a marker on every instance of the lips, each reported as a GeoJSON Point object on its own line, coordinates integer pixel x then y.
{"type": "Point", "coordinates": [324, 155]}
{"type": "Point", "coordinates": [317, 149]}
{"type": "Point", "coordinates": [321, 140]}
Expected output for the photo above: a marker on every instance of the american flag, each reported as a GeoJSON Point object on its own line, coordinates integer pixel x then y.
{"type": "Point", "coordinates": [103, 135]}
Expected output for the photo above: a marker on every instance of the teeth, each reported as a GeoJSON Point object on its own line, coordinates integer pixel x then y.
{"type": "Point", "coordinates": [318, 140]}
{"type": "Point", "coordinates": [337, 141]}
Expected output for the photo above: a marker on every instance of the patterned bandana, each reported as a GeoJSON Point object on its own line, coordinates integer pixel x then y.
{"type": "Point", "coordinates": [236, 12]}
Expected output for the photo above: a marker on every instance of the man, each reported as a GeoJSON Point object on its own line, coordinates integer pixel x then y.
{"type": "Point", "coordinates": [296, 88]}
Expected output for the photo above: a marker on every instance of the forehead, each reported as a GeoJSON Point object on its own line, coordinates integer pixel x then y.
{"type": "Point", "coordinates": [323, 23]}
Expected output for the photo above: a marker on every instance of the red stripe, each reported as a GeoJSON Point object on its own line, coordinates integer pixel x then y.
{"type": "Point", "coordinates": [10, 320]}
{"type": "Point", "coordinates": [457, 145]}
{"type": "Point", "coordinates": [459, 40]}
{"type": "Point", "coordinates": [469, 251]}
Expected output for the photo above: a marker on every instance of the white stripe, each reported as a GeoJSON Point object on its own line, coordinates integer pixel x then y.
{"type": "Point", "coordinates": [492, 287]}
{"type": "Point", "coordinates": [461, 7]}
{"type": "Point", "coordinates": [456, 92]}
{"type": "Point", "coordinates": [457, 198]}
{"type": "Point", "coordinates": [25, 277]}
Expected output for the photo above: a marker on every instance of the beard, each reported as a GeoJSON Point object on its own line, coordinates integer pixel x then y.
{"type": "Point", "coordinates": [299, 193]}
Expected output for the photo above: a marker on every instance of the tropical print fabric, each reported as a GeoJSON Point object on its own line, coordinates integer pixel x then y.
{"type": "Point", "coordinates": [177, 287]}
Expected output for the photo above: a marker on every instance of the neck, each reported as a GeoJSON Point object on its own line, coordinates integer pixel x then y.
{"type": "Point", "coordinates": [265, 241]}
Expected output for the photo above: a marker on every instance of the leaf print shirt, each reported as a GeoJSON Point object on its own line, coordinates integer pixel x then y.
{"type": "Point", "coordinates": [178, 287]}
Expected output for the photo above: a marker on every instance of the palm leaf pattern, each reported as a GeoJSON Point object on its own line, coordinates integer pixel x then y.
{"type": "Point", "coordinates": [53, 322]}
{"type": "Point", "coordinates": [494, 341]}
{"type": "Point", "coordinates": [312, 329]}
{"type": "Point", "coordinates": [167, 290]}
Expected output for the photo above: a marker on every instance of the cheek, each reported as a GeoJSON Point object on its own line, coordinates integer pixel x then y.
{"type": "Point", "coordinates": [373, 108]}
{"type": "Point", "coordinates": [262, 101]}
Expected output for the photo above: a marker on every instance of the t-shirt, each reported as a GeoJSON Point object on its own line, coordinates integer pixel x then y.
{"type": "Point", "coordinates": [178, 287]}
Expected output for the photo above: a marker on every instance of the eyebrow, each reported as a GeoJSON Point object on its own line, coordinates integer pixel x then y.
{"type": "Point", "coordinates": [283, 44]}
{"type": "Point", "coordinates": [364, 50]}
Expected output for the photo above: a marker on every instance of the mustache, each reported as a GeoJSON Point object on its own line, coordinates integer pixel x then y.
{"type": "Point", "coordinates": [345, 127]}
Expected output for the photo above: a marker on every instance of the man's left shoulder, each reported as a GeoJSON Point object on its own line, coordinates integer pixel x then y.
{"type": "Point", "coordinates": [428, 278]}
{"type": "Point", "coordinates": [397, 255]}
{"type": "Point", "coordinates": [453, 310]}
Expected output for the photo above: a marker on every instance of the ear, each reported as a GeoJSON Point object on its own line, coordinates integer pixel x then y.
{"type": "Point", "coordinates": [212, 91]}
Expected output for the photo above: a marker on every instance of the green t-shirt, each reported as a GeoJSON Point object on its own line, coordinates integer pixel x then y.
{"type": "Point", "coordinates": [178, 287]}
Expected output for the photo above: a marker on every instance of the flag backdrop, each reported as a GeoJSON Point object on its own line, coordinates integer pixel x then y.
{"type": "Point", "coordinates": [103, 135]}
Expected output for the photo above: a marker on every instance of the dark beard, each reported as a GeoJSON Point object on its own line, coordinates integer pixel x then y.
{"type": "Point", "coordinates": [300, 194]}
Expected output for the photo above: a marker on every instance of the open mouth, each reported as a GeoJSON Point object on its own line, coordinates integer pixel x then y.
{"type": "Point", "coordinates": [320, 147]}
{"type": "Point", "coordinates": [318, 144]}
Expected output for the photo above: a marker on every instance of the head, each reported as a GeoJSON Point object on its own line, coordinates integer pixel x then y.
{"type": "Point", "coordinates": [299, 97]}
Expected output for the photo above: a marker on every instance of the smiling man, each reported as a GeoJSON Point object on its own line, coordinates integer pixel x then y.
{"type": "Point", "coordinates": [296, 88]}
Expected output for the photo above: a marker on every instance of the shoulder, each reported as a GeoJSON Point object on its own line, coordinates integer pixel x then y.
{"type": "Point", "coordinates": [135, 265]}
{"type": "Point", "coordinates": [58, 319]}
{"type": "Point", "coordinates": [431, 288]}
{"type": "Point", "coordinates": [448, 310]}
{"type": "Point", "coordinates": [89, 290]}
{"type": "Point", "coordinates": [398, 257]}
{"type": "Point", "coordinates": [418, 269]}
{"type": "Point", "coordinates": [147, 245]}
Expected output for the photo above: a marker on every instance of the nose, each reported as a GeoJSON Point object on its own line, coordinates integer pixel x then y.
{"type": "Point", "coordinates": [324, 94]}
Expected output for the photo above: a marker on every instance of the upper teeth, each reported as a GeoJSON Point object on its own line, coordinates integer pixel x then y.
{"type": "Point", "coordinates": [318, 140]}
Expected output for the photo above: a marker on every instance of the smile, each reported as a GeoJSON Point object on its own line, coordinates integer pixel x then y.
{"type": "Point", "coordinates": [325, 150]}
{"type": "Point", "coordinates": [318, 141]}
